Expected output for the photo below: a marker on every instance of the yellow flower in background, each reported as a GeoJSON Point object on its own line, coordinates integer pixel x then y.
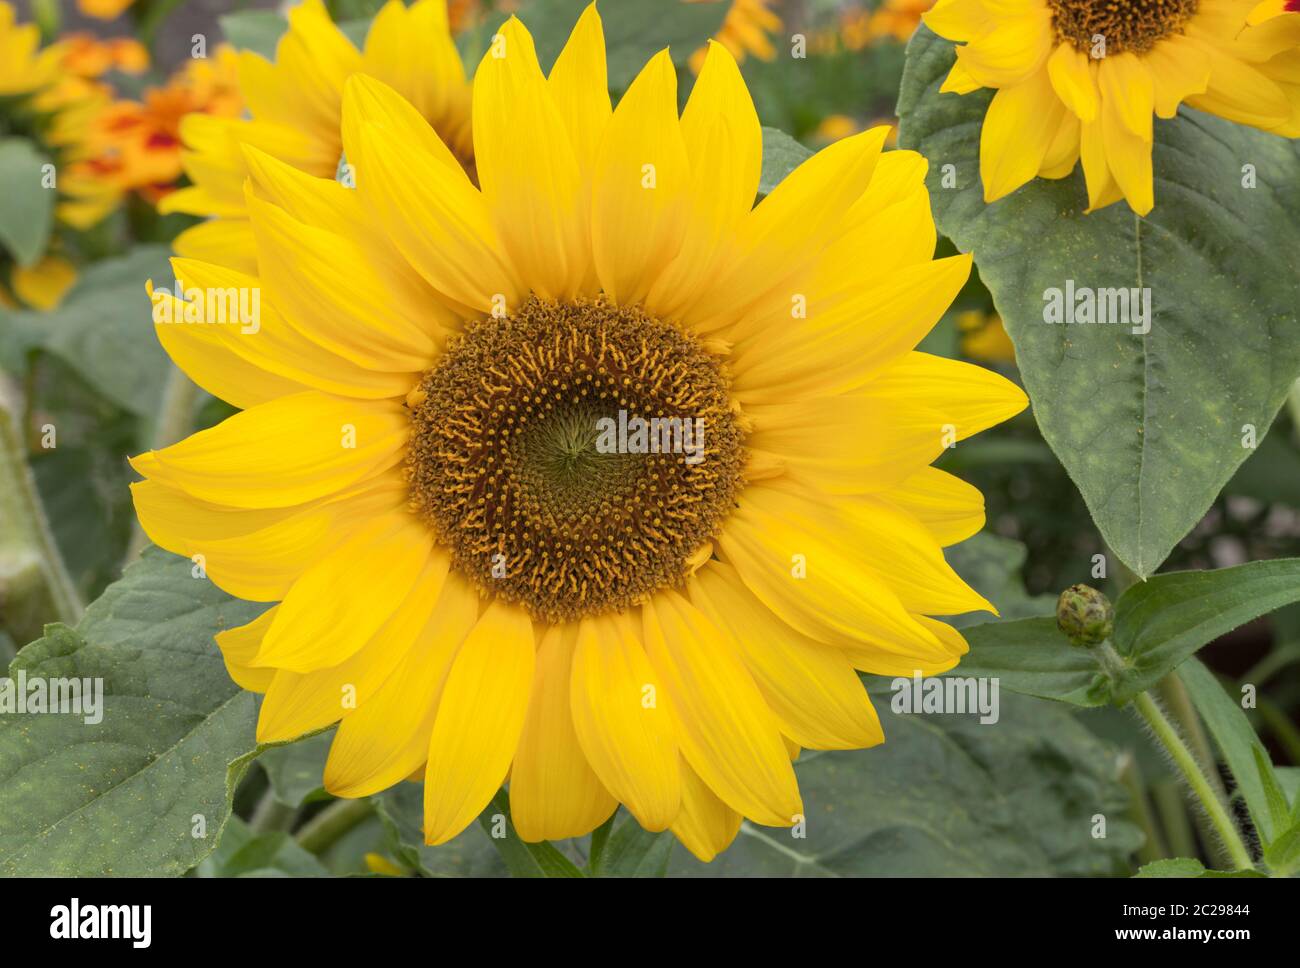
{"type": "Point", "coordinates": [897, 18]}
{"type": "Point", "coordinates": [44, 98]}
{"type": "Point", "coordinates": [984, 337]}
{"type": "Point", "coordinates": [744, 31]}
{"type": "Point", "coordinates": [1078, 81]}
{"type": "Point", "coordinates": [476, 571]}
{"type": "Point", "coordinates": [103, 9]}
{"type": "Point", "coordinates": [295, 105]}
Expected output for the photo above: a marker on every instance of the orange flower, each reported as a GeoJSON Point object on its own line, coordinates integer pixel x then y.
{"type": "Point", "coordinates": [139, 144]}
{"type": "Point", "coordinates": [88, 56]}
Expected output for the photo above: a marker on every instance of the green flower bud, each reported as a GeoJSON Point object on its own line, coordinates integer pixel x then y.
{"type": "Point", "coordinates": [1085, 615]}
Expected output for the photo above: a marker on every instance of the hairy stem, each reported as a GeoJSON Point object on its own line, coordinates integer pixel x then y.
{"type": "Point", "coordinates": [1169, 738]}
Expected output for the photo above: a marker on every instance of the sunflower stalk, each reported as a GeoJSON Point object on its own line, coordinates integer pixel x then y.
{"type": "Point", "coordinates": [323, 830]}
{"type": "Point", "coordinates": [35, 586]}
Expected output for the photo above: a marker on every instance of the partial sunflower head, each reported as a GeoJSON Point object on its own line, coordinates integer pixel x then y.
{"type": "Point", "coordinates": [1081, 80]}
{"type": "Point", "coordinates": [586, 471]}
{"type": "Point", "coordinates": [295, 105]}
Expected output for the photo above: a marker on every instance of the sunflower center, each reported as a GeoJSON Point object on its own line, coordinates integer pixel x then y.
{"type": "Point", "coordinates": [576, 457]}
{"type": "Point", "coordinates": [1124, 25]}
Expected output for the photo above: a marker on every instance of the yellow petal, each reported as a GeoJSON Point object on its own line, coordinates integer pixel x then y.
{"type": "Point", "coordinates": [706, 826]}
{"type": "Point", "coordinates": [1019, 128]}
{"type": "Point", "coordinates": [810, 687]}
{"type": "Point", "coordinates": [387, 737]}
{"type": "Point", "coordinates": [289, 451]}
{"type": "Point", "coordinates": [580, 91]}
{"type": "Point", "coordinates": [726, 731]}
{"type": "Point", "coordinates": [299, 703]}
{"type": "Point", "coordinates": [816, 588]}
{"type": "Point", "coordinates": [724, 144]}
{"type": "Point", "coordinates": [238, 647]}
{"type": "Point", "coordinates": [642, 184]}
{"type": "Point", "coordinates": [479, 720]}
{"type": "Point", "coordinates": [1071, 73]}
{"type": "Point", "coordinates": [527, 167]}
{"type": "Point", "coordinates": [434, 216]}
{"type": "Point", "coordinates": [336, 606]}
{"type": "Point", "coordinates": [622, 720]}
{"type": "Point", "coordinates": [1129, 92]}
{"type": "Point", "coordinates": [952, 509]}
{"type": "Point", "coordinates": [554, 793]}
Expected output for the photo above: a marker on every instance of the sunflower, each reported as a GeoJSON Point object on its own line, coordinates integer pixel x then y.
{"type": "Point", "coordinates": [1079, 79]}
{"type": "Point", "coordinates": [295, 105]}
{"type": "Point", "coordinates": [45, 101]}
{"type": "Point", "coordinates": [465, 576]}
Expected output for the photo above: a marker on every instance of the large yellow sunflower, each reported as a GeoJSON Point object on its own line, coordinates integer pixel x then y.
{"type": "Point", "coordinates": [295, 105]}
{"type": "Point", "coordinates": [1082, 79]}
{"type": "Point", "coordinates": [471, 582]}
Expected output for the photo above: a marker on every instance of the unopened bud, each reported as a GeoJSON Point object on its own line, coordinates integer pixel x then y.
{"type": "Point", "coordinates": [1085, 615]}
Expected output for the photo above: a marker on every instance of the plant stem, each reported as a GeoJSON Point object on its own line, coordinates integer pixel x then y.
{"type": "Point", "coordinates": [1179, 704]}
{"type": "Point", "coordinates": [1167, 734]}
{"type": "Point", "coordinates": [1172, 807]}
{"type": "Point", "coordinates": [322, 830]}
{"type": "Point", "coordinates": [175, 419]}
{"type": "Point", "coordinates": [29, 556]}
{"type": "Point", "coordinates": [270, 814]}
{"type": "Point", "coordinates": [1131, 776]}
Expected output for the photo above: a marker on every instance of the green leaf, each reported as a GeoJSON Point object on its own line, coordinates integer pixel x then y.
{"type": "Point", "coordinates": [523, 859]}
{"type": "Point", "coordinates": [630, 850]}
{"type": "Point", "coordinates": [1032, 657]}
{"type": "Point", "coordinates": [1234, 736]}
{"type": "Point", "coordinates": [126, 796]}
{"type": "Point", "coordinates": [255, 30]}
{"type": "Point", "coordinates": [296, 770]}
{"type": "Point", "coordinates": [1162, 621]}
{"type": "Point", "coordinates": [104, 330]}
{"type": "Point", "coordinates": [470, 854]}
{"type": "Point", "coordinates": [1150, 427]}
{"type": "Point", "coordinates": [26, 205]}
{"type": "Point", "coordinates": [947, 796]}
{"type": "Point", "coordinates": [1187, 867]}
{"type": "Point", "coordinates": [1283, 855]}
{"type": "Point", "coordinates": [781, 155]}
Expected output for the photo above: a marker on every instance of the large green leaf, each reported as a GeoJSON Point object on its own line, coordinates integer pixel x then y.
{"type": "Point", "coordinates": [1150, 427]}
{"type": "Point", "coordinates": [145, 791]}
{"type": "Point", "coordinates": [104, 329]}
{"type": "Point", "coordinates": [296, 771]}
{"type": "Point", "coordinates": [26, 204]}
{"type": "Point", "coordinates": [948, 796]}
